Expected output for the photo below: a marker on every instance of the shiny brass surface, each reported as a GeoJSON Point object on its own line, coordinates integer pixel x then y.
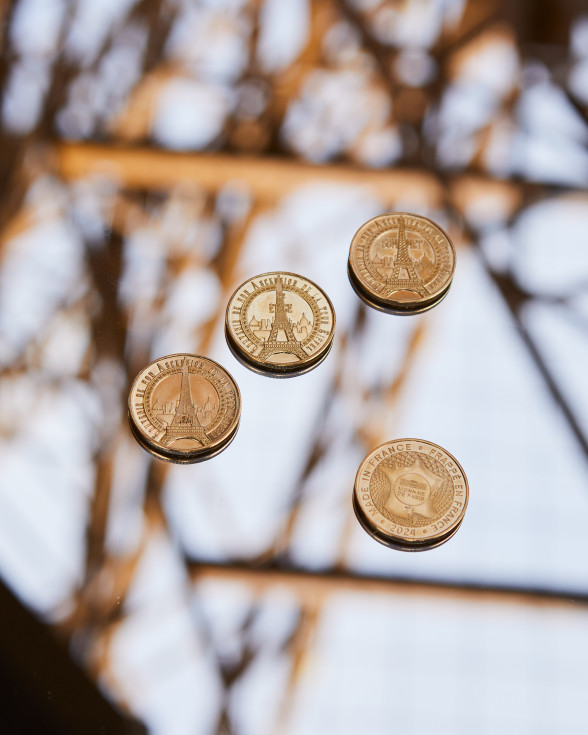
{"type": "Point", "coordinates": [279, 324]}
{"type": "Point", "coordinates": [401, 263]}
{"type": "Point", "coordinates": [410, 494]}
{"type": "Point", "coordinates": [184, 408]}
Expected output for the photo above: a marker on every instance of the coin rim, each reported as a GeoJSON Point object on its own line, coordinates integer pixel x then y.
{"type": "Point", "coordinates": [290, 369]}
{"type": "Point", "coordinates": [271, 374]}
{"type": "Point", "coordinates": [405, 311]}
{"type": "Point", "coordinates": [174, 459]}
{"type": "Point", "coordinates": [402, 540]}
{"type": "Point", "coordinates": [191, 456]}
{"type": "Point", "coordinates": [391, 304]}
{"type": "Point", "coordinates": [381, 538]}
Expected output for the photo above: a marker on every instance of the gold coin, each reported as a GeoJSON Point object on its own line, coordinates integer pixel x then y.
{"type": "Point", "coordinates": [184, 408]}
{"type": "Point", "coordinates": [410, 494]}
{"type": "Point", "coordinates": [279, 324]}
{"type": "Point", "coordinates": [401, 263]}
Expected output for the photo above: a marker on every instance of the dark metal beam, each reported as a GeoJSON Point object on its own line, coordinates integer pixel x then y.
{"type": "Point", "coordinates": [307, 583]}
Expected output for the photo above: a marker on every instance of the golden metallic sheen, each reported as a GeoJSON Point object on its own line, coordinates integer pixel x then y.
{"type": "Point", "coordinates": [410, 494]}
{"type": "Point", "coordinates": [401, 263]}
{"type": "Point", "coordinates": [279, 324]}
{"type": "Point", "coordinates": [184, 408]}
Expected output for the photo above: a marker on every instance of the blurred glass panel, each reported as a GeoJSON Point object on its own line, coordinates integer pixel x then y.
{"type": "Point", "coordinates": [153, 157]}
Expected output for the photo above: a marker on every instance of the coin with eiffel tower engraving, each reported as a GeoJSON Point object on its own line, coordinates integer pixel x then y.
{"type": "Point", "coordinates": [279, 324]}
{"type": "Point", "coordinates": [410, 494]}
{"type": "Point", "coordinates": [184, 408]}
{"type": "Point", "coordinates": [401, 263]}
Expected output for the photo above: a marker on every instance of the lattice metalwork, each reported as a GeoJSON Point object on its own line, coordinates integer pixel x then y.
{"type": "Point", "coordinates": [153, 155]}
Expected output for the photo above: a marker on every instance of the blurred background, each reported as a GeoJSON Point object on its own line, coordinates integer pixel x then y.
{"type": "Point", "coordinates": [154, 154]}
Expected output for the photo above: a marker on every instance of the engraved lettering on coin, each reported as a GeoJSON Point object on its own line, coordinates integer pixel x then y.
{"type": "Point", "coordinates": [415, 498]}
{"type": "Point", "coordinates": [412, 489]}
{"type": "Point", "coordinates": [184, 404]}
{"type": "Point", "coordinates": [280, 321]}
{"type": "Point", "coordinates": [410, 493]}
{"type": "Point", "coordinates": [402, 260]}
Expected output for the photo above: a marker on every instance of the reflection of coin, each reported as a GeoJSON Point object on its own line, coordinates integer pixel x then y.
{"type": "Point", "coordinates": [410, 494]}
{"type": "Point", "coordinates": [279, 324]}
{"type": "Point", "coordinates": [401, 263]}
{"type": "Point", "coordinates": [184, 408]}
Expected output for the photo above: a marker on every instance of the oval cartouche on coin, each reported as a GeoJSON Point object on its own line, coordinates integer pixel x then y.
{"type": "Point", "coordinates": [184, 408]}
{"type": "Point", "coordinates": [279, 324]}
{"type": "Point", "coordinates": [410, 494]}
{"type": "Point", "coordinates": [401, 263]}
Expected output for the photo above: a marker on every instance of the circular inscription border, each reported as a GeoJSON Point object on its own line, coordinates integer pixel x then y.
{"type": "Point", "coordinates": [316, 345]}
{"type": "Point", "coordinates": [152, 430]}
{"type": "Point", "coordinates": [408, 534]}
{"type": "Point", "coordinates": [435, 236]}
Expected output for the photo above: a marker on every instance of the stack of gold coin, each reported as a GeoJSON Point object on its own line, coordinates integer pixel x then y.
{"type": "Point", "coordinates": [410, 494]}
{"type": "Point", "coordinates": [279, 324]}
{"type": "Point", "coordinates": [401, 263]}
{"type": "Point", "coordinates": [184, 408]}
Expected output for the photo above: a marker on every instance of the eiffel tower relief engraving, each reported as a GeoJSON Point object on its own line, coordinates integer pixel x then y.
{"type": "Point", "coordinates": [185, 423]}
{"type": "Point", "coordinates": [272, 346]}
{"type": "Point", "coordinates": [404, 274]}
